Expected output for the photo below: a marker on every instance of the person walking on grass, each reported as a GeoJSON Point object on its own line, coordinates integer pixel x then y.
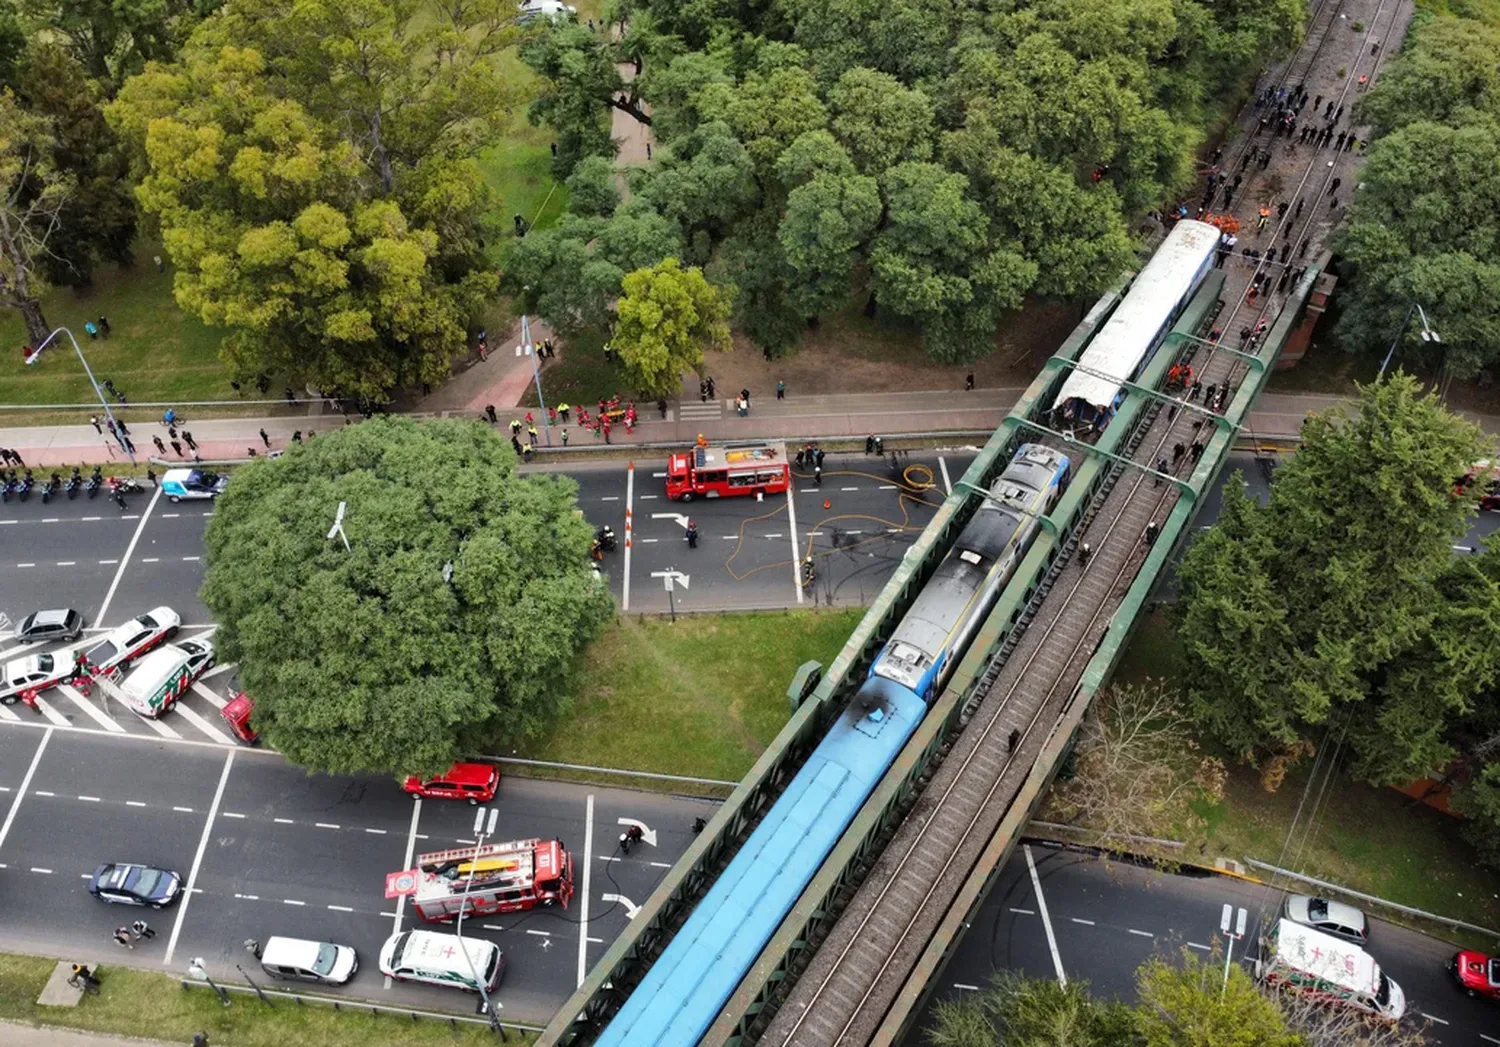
{"type": "Point", "coordinates": [104, 326]}
{"type": "Point", "coordinates": [88, 325]}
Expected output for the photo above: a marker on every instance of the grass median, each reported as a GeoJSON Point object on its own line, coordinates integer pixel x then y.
{"type": "Point", "coordinates": [701, 697]}
{"type": "Point", "coordinates": [142, 1003]}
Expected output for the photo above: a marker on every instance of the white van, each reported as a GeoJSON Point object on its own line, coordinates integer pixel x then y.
{"type": "Point", "coordinates": [308, 961]}
{"type": "Point", "coordinates": [1329, 970]}
{"type": "Point", "coordinates": [160, 678]}
{"type": "Point", "coordinates": [438, 959]}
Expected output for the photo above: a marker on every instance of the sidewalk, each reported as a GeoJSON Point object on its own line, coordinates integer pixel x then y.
{"type": "Point", "coordinates": [1276, 415]}
{"type": "Point", "coordinates": [14, 1034]}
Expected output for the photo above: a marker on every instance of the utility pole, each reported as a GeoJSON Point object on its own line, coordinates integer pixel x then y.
{"type": "Point", "coordinates": [104, 403]}
{"type": "Point", "coordinates": [481, 830]}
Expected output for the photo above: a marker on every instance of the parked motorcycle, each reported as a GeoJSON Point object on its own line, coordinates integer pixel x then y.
{"type": "Point", "coordinates": [96, 481]}
{"type": "Point", "coordinates": [74, 484]}
{"type": "Point", "coordinates": [50, 488]}
{"type": "Point", "coordinates": [605, 538]}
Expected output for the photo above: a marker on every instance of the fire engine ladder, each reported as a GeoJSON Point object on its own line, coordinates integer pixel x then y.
{"type": "Point", "coordinates": [520, 848]}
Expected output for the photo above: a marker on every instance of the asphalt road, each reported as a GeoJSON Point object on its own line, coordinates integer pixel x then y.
{"type": "Point", "coordinates": [1108, 917]}
{"type": "Point", "coordinates": [268, 849]}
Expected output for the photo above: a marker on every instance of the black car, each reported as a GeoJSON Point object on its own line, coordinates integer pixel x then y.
{"type": "Point", "coordinates": [124, 883]}
{"type": "Point", "coordinates": [61, 624]}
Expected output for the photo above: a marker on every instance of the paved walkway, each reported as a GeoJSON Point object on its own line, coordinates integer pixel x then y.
{"type": "Point", "coordinates": [1277, 415]}
{"type": "Point", "coordinates": [13, 1034]}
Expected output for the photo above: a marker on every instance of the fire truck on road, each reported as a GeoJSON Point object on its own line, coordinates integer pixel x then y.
{"type": "Point", "coordinates": [721, 472]}
{"type": "Point", "coordinates": [507, 877]}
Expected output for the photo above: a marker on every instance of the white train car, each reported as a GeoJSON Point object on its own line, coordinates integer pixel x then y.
{"type": "Point", "coordinates": [1135, 329]}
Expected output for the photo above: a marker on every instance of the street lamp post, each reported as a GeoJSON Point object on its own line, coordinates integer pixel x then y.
{"type": "Point", "coordinates": [1230, 937]}
{"type": "Point", "coordinates": [536, 374]}
{"type": "Point", "coordinates": [481, 830]}
{"type": "Point", "coordinates": [197, 970]}
{"type": "Point", "coordinates": [115, 429]}
{"type": "Point", "coordinates": [1428, 335]}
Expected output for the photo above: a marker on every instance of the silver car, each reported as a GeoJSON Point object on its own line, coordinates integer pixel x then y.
{"type": "Point", "coordinates": [1334, 918]}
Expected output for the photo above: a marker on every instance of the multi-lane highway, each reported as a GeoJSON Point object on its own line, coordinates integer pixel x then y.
{"type": "Point", "coordinates": [1077, 916]}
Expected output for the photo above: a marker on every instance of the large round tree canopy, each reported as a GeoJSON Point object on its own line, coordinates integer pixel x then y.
{"type": "Point", "coordinates": [368, 658]}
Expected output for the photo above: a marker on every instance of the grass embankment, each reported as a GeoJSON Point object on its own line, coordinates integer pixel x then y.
{"type": "Point", "coordinates": [141, 1003]}
{"type": "Point", "coordinates": [703, 697]}
{"type": "Point", "coordinates": [1372, 840]}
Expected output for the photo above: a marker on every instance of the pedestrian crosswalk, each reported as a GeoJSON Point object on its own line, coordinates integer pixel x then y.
{"type": "Point", "coordinates": [690, 411]}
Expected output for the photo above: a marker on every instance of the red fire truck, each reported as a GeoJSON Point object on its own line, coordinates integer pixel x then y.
{"type": "Point", "coordinates": [719, 472]}
{"type": "Point", "coordinates": [519, 874]}
{"type": "Point", "coordinates": [1486, 476]}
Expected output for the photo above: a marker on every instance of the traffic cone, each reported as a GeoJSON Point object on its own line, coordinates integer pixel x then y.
{"type": "Point", "coordinates": [827, 503]}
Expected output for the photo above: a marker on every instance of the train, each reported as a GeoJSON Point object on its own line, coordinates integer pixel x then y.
{"type": "Point", "coordinates": [1135, 330]}
{"type": "Point", "coordinates": [688, 985]}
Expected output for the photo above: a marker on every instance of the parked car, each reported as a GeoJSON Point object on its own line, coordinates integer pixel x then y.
{"type": "Point", "coordinates": [134, 638]}
{"type": "Point", "coordinates": [35, 672]}
{"type": "Point", "coordinates": [308, 961]}
{"type": "Point", "coordinates": [442, 959]}
{"type": "Point", "coordinates": [125, 883]}
{"type": "Point", "coordinates": [164, 675]}
{"type": "Point", "coordinates": [1476, 973]}
{"type": "Point", "coordinates": [1335, 918]}
{"type": "Point", "coordinates": [475, 782]}
{"type": "Point", "coordinates": [178, 484]}
{"type": "Point", "coordinates": [40, 626]}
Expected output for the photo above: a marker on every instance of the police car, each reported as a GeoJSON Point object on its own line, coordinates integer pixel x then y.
{"type": "Point", "coordinates": [178, 484]}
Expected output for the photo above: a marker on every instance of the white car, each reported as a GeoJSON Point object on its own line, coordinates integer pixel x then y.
{"type": "Point", "coordinates": [553, 10]}
{"type": "Point", "coordinates": [132, 639]}
{"type": "Point", "coordinates": [35, 672]}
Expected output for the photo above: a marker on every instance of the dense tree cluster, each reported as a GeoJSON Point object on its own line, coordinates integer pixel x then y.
{"type": "Point", "coordinates": [451, 619]}
{"type": "Point", "coordinates": [1425, 224]}
{"type": "Point", "coordinates": [1339, 610]}
{"type": "Point", "coordinates": [311, 165]}
{"type": "Point", "coordinates": [941, 160]}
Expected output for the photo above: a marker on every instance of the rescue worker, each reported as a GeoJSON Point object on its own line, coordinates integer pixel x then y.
{"type": "Point", "coordinates": [515, 427]}
{"type": "Point", "coordinates": [692, 535]}
{"type": "Point", "coordinates": [1084, 552]}
{"type": "Point", "coordinates": [630, 837]}
{"type": "Point", "coordinates": [808, 571]}
{"type": "Point", "coordinates": [1265, 216]}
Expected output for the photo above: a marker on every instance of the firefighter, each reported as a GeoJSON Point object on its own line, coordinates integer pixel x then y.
{"type": "Point", "coordinates": [630, 837]}
{"type": "Point", "coordinates": [1084, 552]}
{"type": "Point", "coordinates": [692, 535]}
{"type": "Point", "coordinates": [818, 475]}
{"type": "Point", "coordinates": [809, 572]}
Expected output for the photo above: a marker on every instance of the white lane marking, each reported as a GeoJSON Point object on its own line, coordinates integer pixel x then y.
{"type": "Point", "coordinates": [611, 498]}
{"type": "Point", "coordinates": [854, 532]}
{"type": "Point", "coordinates": [966, 987]}
{"type": "Point", "coordinates": [327, 825]}
{"type": "Point", "coordinates": [1196, 945]}
{"type": "Point", "coordinates": [25, 565]}
{"type": "Point", "coordinates": [848, 488]}
{"type": "Point", "coordinates": [1482, 1036]}
{"type": "Point", "coordinates": [208, 829]}
{"type": "Point", "coordinates": [45, 872]}
{"type": "Point", "coordinates": [492, 926]}
{"type": "Point", "coordinates": [202, 724]}
{"type": "Point", "coordinates": [411, 846]}
{"type": "Point", "coordinates": [544, 934]}
{"type": "Point", "coordinates": [1143, 934]}
{"type": "Point", "coordinates": [284, 821]}
{"type": "Point", "coordinates": [151, 559]}
{"type": "Point", "coordinates": [6, 714]}
{"type": "Point", "coordinates": [292, 901]}
{"type": "Point", "coordinates": [135, 803]}
{"type": "Point", "coordinates": [52, 715]}
{"type": "Point", "coordinates": [629, 531]}
{"type": "Point", "coordinates": [51, 519]}
{"type": "Point", "coordinates": [120, 573]}
{"type": "Point", "coordinates": [184, 810]}
{"type": "Point", "coordinates": [190, 558]}
{"type": "Point", "coordinates": [376, 832]}
{"type": "Point", "coordinates": [66, 563]}
{"type": "Point", "coordinates": [660, 865]}
{"type": "Point", "coordinates": [1041, 904]}
{"type": "Point", "coordinates": [208, 695]}
{"type": "Point", "coordinates": [791, 512]}
{"type": "Point", "coordinates": [102, 562]}
{"type": "Point", "coordinates": [650, 541]}
{"type": "Point", "coordinates": [208, 514]}
{"type": "Point", "coordinates": [92, 518]}
{"type": "Point", "coordinates": [170, 516]}
{"type": "Point", "coordinates": [1024, 912]}
{"type": "Point", "coordinates": [89, 799]}
{"type": "Point", "coordinates": [583, 924]}
{"type": "Point", "coordinates": [341, 908]}
{"type": "Point", "coordinates": [659, 475]}
{"type": "Point", "coordinates": [943, 468]}
{"type": "Point", "coordinates": [89, 709]}
{"type": "Point", "coordinates": [730, 537]}
{"type": "Point", "coordinates": [233, 814]}
{"type": "Point", "coordinates": [15, 805]}
{"type": "Point", "coordinates": [650, 497]}
{"type": "Point", "coordinates": [44, 792]}
{"type": "Point", "coordinates": [1086, 923]}
{"type": "Point", "coordinates": [886, 487]}
{"type": "Point", "coordinates": [159, 727]}
{"type": "Point", "coordinates": [773, 534]}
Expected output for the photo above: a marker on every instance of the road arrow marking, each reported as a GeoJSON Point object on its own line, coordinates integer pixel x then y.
{"type": "Point", "coordinates": [672, 577]}
{"type": "Point", "coordinates": [630, 907]}
{"type": "Point", "coordinates": [681, 520]}
{"type": "Point", "coordinates": [647, 833]}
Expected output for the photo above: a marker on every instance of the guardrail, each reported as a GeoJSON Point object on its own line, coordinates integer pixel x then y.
{"type": "Point", "coordinates": [504, 1028]}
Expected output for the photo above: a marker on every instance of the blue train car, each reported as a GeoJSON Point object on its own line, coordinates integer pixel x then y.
{"type": "Point", "coordinates": [687, 986]}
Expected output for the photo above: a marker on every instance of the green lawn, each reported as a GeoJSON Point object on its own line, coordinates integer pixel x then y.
{"type": "Point", "coordinates": [1373, 840]}
{"type": "Point", "coordinates": [154, 351]}
{"type": "Point", "coordinates": [141, 1003]}
{"type": "Point", "coordinates": [702, 697]}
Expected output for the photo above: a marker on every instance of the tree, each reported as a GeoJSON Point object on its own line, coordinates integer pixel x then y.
{"type": "Point", "coordinates": [1014, 1010]}
{"type": "Point", "coordinates": [333, 222]}
{"type": "Point", "coordinates": [99, 220]}
{"type": "Point", "coordinates": [1139, 771]}
{"type": "Point", "coordinates": [933, 262]}
{"type": "Point", "coordinates": [879, 121]}
{"type": "Point", "coordinates": [831, 214]}
{"type": "Point", "coordinates": [579, 84]}
{"type": "Point", "coordinates": [667, 316]}
{"type": "Point", "coordinates": [31, 209]}
{"type": "Point", "coordinates": [753, 262]}
{"type": "Point", "coordinates": [705, 181]}
{"type": "Point", "coordinates": [375, 658]}
{"type": "Point", "coordinates": [1299, 611]}
{"type": "Point", "coordinates": [592, 192]}
{"type": "Point", "coordinates": [114, 39]}
{"type": "Point", "coordinates": [1191, 1005]}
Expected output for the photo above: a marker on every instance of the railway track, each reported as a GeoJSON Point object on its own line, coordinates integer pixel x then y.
{"type": "Point", "coordinates": [846, 990]}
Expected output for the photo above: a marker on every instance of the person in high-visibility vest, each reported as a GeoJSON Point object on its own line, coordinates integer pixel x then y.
{"type": "Point", "coordinates": [1265, 216]}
